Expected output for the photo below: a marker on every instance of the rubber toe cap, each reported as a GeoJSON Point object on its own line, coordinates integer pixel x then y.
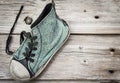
{"type": "Point", "coordinates": [18, 71]}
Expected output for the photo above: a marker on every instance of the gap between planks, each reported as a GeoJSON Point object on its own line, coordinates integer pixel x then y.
{"type": "Point", "coordinates": [53, 81]}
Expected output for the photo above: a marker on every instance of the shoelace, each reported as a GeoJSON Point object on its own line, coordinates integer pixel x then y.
{"type": "Point", "coordinates": [9, 39]}
{"type": "Point", "coordinates": [31, 45]}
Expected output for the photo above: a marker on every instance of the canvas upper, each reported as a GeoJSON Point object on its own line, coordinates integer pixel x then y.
{"type": "Point", "coordinates": [47, 35]}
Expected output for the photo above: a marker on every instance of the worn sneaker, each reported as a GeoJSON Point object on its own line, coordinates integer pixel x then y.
{"type": "Point", "coordinates": [48, 34]}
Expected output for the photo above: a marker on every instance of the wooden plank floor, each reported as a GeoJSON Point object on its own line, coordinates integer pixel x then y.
{"type": "Point", "coordinates": [91, 54]}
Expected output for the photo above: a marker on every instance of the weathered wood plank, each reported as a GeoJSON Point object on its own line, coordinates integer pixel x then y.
{"type": "Point", "coordinates": [84, 57]}
{"type": "Point", "coordinates": [80, 14]}
{"type": "Point", "coordinates": [41, 81]}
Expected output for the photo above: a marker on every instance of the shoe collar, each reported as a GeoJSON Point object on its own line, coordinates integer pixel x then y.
{"type": "Point", "coordinates": [47, 11]}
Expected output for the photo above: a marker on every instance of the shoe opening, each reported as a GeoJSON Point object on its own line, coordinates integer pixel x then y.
{"type": "Point", "coordinates": [44, 13]}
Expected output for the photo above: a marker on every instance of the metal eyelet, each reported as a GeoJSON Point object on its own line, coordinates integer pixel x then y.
{"type": "Point", "coordinates": [35, 32]}
{"type": "Point", "coordinates": [28, 20]}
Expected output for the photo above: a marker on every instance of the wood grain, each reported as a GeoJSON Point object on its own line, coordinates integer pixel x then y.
{"type": "Point", "coordinates": [51, 81]}
{"type": "Point", "coordinates": [83, 57]}
{"type": "Point", "coordinates": [83, 16]}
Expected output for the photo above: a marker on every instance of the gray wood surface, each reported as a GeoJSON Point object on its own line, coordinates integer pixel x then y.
{"type": "Point", "coordinates": [50, 81]}
{"type": "Point", "coordinates": [85, 58]}
{"type": "Point", "coordinates": [80, 14]}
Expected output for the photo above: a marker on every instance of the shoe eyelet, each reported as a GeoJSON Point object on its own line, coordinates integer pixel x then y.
{"type": "Point", "coordinates": [35, 32]}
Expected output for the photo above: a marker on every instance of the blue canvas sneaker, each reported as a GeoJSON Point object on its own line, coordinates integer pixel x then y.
{"type": "Point", "coordinates": [48, 34]}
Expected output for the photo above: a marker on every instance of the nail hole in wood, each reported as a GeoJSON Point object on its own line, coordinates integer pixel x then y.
{"type": "Point", "coordinates": [80, 47]}
{"type": "Point", "coordinates": [85, 61]}
{"type": "Point", "coordinates": [85, 11]}
{"type": "Point", "coordinates": [112, 50]}
{"type": "Point", "coordinates": [111, 71]}
{"type": "Point", "coordinates": [97, 17]}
